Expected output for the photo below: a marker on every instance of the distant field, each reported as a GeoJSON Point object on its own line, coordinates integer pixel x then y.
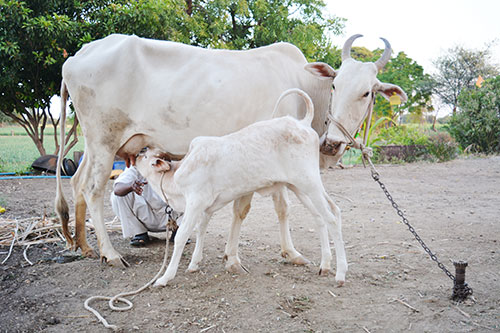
{"type": "Point", "coordinates": [17, 152]}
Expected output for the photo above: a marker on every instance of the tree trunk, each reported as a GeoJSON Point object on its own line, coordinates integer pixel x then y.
{"type": "Point", "coordinates": [189, 7]}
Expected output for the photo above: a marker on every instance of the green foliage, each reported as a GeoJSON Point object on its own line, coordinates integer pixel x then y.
{"type": "Point", "coordinates": [401, 135]}
{"type": "Point", "coordinates": [35, 38]}
{"type": "Point", "coordinates": [477, 124]}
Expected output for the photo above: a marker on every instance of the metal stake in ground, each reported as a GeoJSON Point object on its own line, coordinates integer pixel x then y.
{"type": "Point", "coordinates": [460, 288]}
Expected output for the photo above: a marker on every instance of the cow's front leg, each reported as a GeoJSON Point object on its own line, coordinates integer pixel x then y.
{"type": "Point", "coordinates": [241, 207]}
{"type": "Point", "coordinates": [281, 204]}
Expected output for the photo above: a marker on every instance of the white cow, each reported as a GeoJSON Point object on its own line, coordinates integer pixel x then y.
{"type": "Point", "coordinates": [262, 157]}
{"type": "Point", "coordinates": [130, 89]}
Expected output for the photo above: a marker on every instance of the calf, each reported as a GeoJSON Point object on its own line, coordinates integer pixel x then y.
{"type": "Point", "coordinates": [264, 157]}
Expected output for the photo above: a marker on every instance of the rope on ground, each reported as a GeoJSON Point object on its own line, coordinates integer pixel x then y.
{"type": "Point", "coordinates": [13, 241]}
{"type": "Point", "coordinates": [120, 297]}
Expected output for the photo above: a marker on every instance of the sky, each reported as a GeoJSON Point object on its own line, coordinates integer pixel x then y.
{"type": "Point", "coordinates": [423, 29]}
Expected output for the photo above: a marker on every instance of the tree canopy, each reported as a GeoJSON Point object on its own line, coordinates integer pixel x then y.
{"type": "Point", "coordinates": [37, 35]}
{"type": "Point", "coordinates": [459, 69]}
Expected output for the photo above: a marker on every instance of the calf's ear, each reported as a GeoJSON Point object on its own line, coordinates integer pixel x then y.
{"type": "Point", "coordinates": [160, 165]}
{"type": "Point", "coordinates": [320, 70]}
{"type": "Point", "coordinates": [388, 89]}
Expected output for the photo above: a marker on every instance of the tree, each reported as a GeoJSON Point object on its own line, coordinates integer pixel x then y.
{"type": "Point", "coordinates": [36, 36]}
{"type": "Point", "coordinates": [477, 122]}
{"type": "Point", "coordinates": [459, 69]}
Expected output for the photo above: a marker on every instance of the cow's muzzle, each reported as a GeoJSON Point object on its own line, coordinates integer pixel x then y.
{"type": "Point", "coordinates": [331, 148]}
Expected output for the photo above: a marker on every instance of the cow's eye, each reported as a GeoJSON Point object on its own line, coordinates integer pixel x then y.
{"type": "Point", "coordinates": [333, 86]}
{"type": "Point", "coordinates": [366, 94]}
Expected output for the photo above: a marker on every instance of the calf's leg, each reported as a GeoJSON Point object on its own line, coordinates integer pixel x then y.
{"type": "Point", "coordinates": [281, 204]}
{"type": "Point", "coordinates": [194, 214]}
{"type": "Point", "coordinates": [241, 207]}
{"type": "Point", "coordinates": [200, 241]}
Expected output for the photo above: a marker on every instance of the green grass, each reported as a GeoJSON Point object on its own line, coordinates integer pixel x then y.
{"type": "Point", "coordinates": [18, 152]}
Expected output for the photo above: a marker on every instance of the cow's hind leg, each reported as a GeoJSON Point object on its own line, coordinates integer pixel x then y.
{"type": "Point", "coordinates": [80, 229]}
{"type": "Point", "coordinates": [281, 204]}
{"type": "Point", "coordinates": [241, 207]}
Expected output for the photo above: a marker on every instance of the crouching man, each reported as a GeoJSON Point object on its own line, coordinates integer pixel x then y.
{"type": "Point", "coordinates": [139, 208]}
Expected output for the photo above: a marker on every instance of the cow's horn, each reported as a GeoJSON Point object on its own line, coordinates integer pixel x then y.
{"type": "Point", "coordinates": [346, 50]}
{"type": "Point", "coordinates": [386, 56]}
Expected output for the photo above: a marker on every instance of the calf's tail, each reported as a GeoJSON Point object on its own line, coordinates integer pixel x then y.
{"type": "Point", "coordinates": [309, 104]}
{"type": "Point", "coordinates": [61, 204]}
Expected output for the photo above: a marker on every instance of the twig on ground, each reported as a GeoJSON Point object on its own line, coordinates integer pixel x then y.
{"type": "Point", "coordinates": [208, 328]}
{"type": "Point", "coordinates": [332, 293]}
{"type": "Point", "coordinates": [366, 330]}
{"type": "Point", "coordinates": [462, 312]}
{"type": "Point", "coordinates": [405, 304]}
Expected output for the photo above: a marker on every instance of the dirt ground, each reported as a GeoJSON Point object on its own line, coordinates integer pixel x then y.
{"type": "Point", "coordinates": [454, 207]}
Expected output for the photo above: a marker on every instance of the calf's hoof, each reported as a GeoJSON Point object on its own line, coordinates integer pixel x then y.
{"type": "Point", "coordinates": [161, 282]}
{"type": "Point", "coordinates": [324, 271]}
{"type": "Point", "coordinates": [193, 269]}
{"type": "Point", "coordinates": [340, 278]}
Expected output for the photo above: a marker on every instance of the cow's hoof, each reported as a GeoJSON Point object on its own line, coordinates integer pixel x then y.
{"type": "Point", "coordinates": [300, 260]}
{"type": "Point", "coordinates": [340, 283]}
{"type": "Point", "coordinates": [324, 271]}
{"type": "Point", "coordinates": [89, 252]}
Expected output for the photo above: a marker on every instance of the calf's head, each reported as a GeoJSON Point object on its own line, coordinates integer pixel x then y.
{"type": "Point", "coordinates": [353, 92]}
{"type": "Point", "coordinates": [151, 162]}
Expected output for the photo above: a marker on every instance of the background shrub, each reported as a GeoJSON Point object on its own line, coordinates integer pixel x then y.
{"type": "Point", "coordinates": [442, 146]}
{"type": "Point", "coordinates": [477, 123]}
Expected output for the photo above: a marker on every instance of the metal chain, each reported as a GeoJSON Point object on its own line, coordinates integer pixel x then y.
{"type": "Point", "coordinates": [376, 177]}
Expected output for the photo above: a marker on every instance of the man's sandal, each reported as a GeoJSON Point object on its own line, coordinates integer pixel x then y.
{"type": "Point", "coordinates": [140, 240]}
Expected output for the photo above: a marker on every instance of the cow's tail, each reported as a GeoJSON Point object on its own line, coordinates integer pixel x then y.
{"type": "Point", "coordinates": [309, 104]}
{"type": "Point", "coordinates": [61, 204]}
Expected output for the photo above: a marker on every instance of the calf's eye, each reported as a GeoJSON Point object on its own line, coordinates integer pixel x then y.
{"type": "Point", "coordinates": [366, 94]}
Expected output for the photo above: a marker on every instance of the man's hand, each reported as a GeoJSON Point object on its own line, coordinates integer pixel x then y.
{"type": "Point", "coordinates": [138, 185]}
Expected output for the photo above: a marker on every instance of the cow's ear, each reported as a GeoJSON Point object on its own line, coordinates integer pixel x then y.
{"type": "Point", "coordinates": [387, 90]}
{"type": "Point", "coordinates": [321, 70]}
{"type": "Point", "coordinates": [160, 165]}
